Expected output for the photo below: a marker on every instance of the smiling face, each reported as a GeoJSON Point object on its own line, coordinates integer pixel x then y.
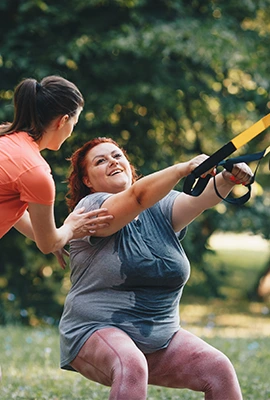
{"type": "Point", "coordinates": [108, 170]}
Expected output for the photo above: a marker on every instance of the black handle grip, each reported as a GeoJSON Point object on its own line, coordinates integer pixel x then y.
{"type": "Point", "coordinates": [198, 188]}
{"type": "Point", "coordinates": [205, 166]}
{"type": "Point", "coordinates": [195, 189]}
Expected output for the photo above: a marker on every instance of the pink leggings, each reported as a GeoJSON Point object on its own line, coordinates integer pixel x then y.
{"type": "Point", "coordinates": [111, 358]}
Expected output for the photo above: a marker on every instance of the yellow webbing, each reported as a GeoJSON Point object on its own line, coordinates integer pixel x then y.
{"type": "Point", "coordinates": [251, 132]}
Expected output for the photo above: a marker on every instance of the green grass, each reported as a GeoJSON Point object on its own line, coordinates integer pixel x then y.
{"type": "Point", "coordinates": [29, 361]}
{"type": "Point", "coordinates": [241, 270]}
{"type": "Point", "coordinates": [29, 357]}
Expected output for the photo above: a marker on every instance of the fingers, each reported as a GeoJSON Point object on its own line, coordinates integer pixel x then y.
{"type": "Point", "coordinates": [95, 220]}
{"type": "Point", "coordinates": [241, 174]}
{"type": "Point", "coordinates": [211, 171]}
{"type": "Point", "coordinates": [61, 261]}
{"type": "Point", "coordinates": [87, 223]}
{"type": "Point", "coordinates": [62, 264]}
{"type": "Point", "coordinates": [59, 254]}
{"type": "Point", "coordinates": [95, 213]}
{"type": "Point", "coordinates": [196, 161]}
{"type": "Point", "coordinates": [79, 210]}
{"type": "Point", "coordinates": [92, 213]}
{"type": "Point", "coordinates": [92, 222]}
{"type": "Point", "coordinates": [96, 223]}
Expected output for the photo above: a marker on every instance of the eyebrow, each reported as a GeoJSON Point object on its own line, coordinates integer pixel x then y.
{"type": "Point", "coordinates": [103, 155]}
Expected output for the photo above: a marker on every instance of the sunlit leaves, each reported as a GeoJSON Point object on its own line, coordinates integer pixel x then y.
{"type": "Point", "coordinates": [167, 79]}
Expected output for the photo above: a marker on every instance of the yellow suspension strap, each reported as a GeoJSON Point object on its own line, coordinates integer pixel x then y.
{"type": "Point", "coordinates": [217, 159]}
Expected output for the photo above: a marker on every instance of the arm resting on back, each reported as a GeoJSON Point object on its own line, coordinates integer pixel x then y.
{"type": "Point", "coordinates": [24, 226]}
{"type": "Point", "coordinates": [47, 237]}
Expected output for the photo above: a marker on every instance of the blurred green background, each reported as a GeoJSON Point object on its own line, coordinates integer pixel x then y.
{"type": "Point", "coordinates": [167, 79]}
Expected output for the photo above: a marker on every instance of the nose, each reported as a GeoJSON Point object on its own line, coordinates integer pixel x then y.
{"type": "Point", "coordinates": [113, 161]}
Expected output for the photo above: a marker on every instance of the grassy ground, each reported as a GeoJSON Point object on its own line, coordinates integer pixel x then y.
{"type": "Point", "coordinates": [29, 357]}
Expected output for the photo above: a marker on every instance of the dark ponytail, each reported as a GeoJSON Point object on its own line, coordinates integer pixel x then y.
{"type": "Point", "coordinates": [36, 104]}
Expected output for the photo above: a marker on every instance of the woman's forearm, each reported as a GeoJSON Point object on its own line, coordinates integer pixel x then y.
{"type": "Point", "coordinates": [77, 225]}
{"type": "Point", "coordinates": [152, 188]}
{"type": "Point", "coordinates": [186, 208]}
{"type": "Point", "coordinates": [209, 197]}
{"type": "Point", "coordinates": [24, 226]}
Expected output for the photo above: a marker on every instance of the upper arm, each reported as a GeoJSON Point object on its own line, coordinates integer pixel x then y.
{"type": "Point", "coordinates": [37, 186]}
{"type": "Point", "coordinates": [124, 206]}
{"type": "Point", "coordinates": [185, 209]}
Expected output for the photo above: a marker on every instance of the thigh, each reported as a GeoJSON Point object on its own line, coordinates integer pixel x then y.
{"type": "Point", "coordinates": [189, 362]}
{"type": "Point", "coordinates": [107, 351]}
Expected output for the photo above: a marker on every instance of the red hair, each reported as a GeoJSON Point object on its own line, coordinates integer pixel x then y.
{"type": "Point", "coordinates": [76, 188]}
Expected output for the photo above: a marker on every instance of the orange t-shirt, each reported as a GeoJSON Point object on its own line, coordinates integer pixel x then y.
{"type": "Point", "coordinates": [25, 177]}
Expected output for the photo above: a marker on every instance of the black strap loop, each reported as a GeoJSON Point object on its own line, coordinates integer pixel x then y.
{"type": "Point", "coordinates": [228, 165]}
{"type": "Point", "coordinates": [198, 188]}
{"type": "Point", "coordinates": [236, 201]}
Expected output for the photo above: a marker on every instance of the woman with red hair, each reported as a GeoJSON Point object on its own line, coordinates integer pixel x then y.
{"type": "Point", "coordinates": [120, 325]}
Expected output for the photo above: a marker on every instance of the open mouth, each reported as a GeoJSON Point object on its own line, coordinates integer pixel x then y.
{"type": "Point", "coordinates": [115, 172]}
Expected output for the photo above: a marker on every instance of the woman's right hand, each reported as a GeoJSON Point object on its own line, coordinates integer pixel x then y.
{"type": "Point", "coordinates": [196, 161]}
{"type": "Point", "coordinates": [87, 223]}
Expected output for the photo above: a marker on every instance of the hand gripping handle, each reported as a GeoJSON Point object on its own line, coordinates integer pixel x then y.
{"type": "Point", "coordinates": [221, 154]}
{"type": "Point", "coordinates": [205, 166]}
{"type": "Point", "coordinates": [195, 190]}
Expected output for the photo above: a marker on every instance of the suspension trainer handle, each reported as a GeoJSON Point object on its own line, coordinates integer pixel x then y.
{"type": "Point", "coordinates": [195, 189]}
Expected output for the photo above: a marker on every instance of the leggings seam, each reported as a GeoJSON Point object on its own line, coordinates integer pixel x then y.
{"type": "Point", "coordinates": [117, 354]}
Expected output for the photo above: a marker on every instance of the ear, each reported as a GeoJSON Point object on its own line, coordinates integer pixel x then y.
{"type": "Point", "coordinates": [62, 121]}
{"type": "Point", "coordinates": [87, 182]}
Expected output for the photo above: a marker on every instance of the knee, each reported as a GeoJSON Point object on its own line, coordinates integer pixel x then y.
{"type": "Point", "coordinates": [130, 378]}
{"type": "Point", "coordinates": [222, 373]}
{"type": "Point", "coordinates": [133, 368]}
{"type": "Point", "coordinates": [223, 364]}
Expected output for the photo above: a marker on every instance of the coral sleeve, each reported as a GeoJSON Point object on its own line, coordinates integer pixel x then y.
{"type": "Point", "coordinates": [37, 186]}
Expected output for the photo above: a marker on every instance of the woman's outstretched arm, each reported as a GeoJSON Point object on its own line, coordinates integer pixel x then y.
{"type": "Point", "coordinates": [186, 208]}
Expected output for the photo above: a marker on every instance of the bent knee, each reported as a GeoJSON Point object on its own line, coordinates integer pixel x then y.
{"type": "Point", "coordinates": [221, 370]}
{"type": "Point", "coordinates": [221, 381]}
{"type": "Point", "coordinates": [132, 367]}
{"type": "Point", "coordinates": [223, 364]}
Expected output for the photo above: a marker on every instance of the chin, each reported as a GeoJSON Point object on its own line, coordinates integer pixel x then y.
{"type": "Point", "coordinates": [119, 188]}
{"type": "Point", "coordinates": [54, 148]}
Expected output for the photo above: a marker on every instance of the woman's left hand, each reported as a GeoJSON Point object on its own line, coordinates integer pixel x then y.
{"type": "Point", "coordinates": [59, 254]}
{"type": "Point", "coordinates": [241, 174]}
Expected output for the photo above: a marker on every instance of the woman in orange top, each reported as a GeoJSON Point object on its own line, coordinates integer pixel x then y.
{"type": "Point", "coordinates": [45, 114]}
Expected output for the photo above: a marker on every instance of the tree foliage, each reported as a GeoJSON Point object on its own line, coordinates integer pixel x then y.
{"type": "Point", "coordinates": [167, 79]}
